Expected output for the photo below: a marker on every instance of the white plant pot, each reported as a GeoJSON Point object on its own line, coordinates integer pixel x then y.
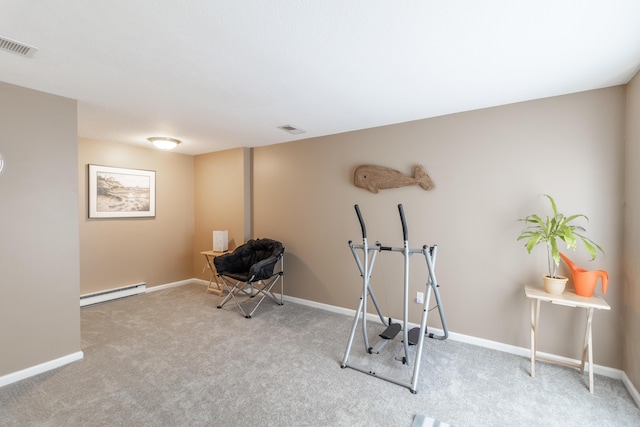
{"type": "Point", "coordinates": [554, 285]}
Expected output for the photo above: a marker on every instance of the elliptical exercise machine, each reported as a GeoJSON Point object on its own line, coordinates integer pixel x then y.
{"type": "Point", "coordinates": [409, 337]}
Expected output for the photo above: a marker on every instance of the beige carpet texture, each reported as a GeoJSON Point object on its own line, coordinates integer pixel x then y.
{"type": "Point", "coordinates": [170, 358]}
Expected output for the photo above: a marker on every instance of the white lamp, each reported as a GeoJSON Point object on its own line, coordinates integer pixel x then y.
{"type": "Point", "coordinates": [220, 241]}
{"type": "Point", "coordinates": [164, 143]}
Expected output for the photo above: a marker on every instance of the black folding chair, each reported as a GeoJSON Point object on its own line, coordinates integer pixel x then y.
{"type": "Point", "coordinates": [250, 271]}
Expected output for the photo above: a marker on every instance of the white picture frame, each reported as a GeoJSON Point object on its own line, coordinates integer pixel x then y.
{"type": "Point", "coordinates": [121, 193]}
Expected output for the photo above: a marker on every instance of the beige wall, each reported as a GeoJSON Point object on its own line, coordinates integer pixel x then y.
{"type": "Point", "coordinates": [631, 267]}
{"type": "Point", "coordinates": [120, 252]}
{"type": "Point", "coordinates": [39, 252]}
{"type": "Point", "coordinates": [489, 167]}
{"type": "Point", "coordinates": [221, 189]}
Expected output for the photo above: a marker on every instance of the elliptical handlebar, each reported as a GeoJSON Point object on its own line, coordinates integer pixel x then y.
{"type": "Point", "coordinates": [405, 232]}
{"type": "Point", "coordinates": [364, 229]}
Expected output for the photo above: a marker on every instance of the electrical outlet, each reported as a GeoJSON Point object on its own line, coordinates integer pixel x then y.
{"type": "Point", "coordinates": [420, 298]}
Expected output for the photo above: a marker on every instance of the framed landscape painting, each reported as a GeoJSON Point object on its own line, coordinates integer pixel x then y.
{"type": "Point", "coordinates": [121, 193]}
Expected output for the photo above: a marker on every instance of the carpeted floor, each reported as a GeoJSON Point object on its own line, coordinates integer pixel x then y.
{"type": "Point", "coordinates": [170, 358]}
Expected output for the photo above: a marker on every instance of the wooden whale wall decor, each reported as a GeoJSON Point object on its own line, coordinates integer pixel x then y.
{"type": "Point", "coordinates": [374, 178]}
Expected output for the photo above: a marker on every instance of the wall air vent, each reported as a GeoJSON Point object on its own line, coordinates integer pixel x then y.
{"type": "Point", "coordinates": [291, 129]}
{"type": "Point", "coordinates": [18, 48]}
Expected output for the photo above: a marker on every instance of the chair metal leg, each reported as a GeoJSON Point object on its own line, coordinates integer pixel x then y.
{"type": "Point", "coordinates": [265, 290]}
{"type": "Point", "coordinates": [261, 287]}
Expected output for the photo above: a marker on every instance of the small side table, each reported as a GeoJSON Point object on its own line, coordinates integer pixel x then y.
{"type": "Point", "coordinates": [209, 256]}
{"type": "Point", "coordinates": [569, 299]}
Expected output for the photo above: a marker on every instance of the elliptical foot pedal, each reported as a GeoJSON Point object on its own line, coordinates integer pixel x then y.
{"type": "Point", "coordinates": [414, 336]}
{"type": "Point", "coordinates": [391, 331]}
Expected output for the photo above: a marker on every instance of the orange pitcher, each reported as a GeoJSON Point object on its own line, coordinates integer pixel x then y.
{"type": "Point", "coordinates": [585, 281]}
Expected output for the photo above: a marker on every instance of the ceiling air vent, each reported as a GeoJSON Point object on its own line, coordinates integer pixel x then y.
{"type": "Point", "coordinates": [291, 129]}
{"type": "Point", "coordinates": [17, 47]}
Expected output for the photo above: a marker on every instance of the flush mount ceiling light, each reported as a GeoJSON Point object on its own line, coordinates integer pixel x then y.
{"type": "Point", "coordinates": [164, 143]}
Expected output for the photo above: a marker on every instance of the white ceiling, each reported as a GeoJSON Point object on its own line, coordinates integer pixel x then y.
{"type": "Point", "coordinates": [220, 74]}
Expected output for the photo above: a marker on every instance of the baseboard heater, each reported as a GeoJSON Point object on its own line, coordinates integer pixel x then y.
{"type": "Point", "coordinates": [111, 294]}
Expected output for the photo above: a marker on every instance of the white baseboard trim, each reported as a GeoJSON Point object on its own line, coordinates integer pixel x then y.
{"type": "Point", "coordinates": [39, 369]}
{"type": "Point", "coordinates": [480, 342]}
{"type": "Point", "coordinates": [632, 390]}
{"type": "Point", "coordinates": [327, 307]}
{"type": "Point", "coordinates": [171, 285]}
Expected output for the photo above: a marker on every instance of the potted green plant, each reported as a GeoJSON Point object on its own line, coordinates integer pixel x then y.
{"type": "Point", "coordinates": [548, 231]}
